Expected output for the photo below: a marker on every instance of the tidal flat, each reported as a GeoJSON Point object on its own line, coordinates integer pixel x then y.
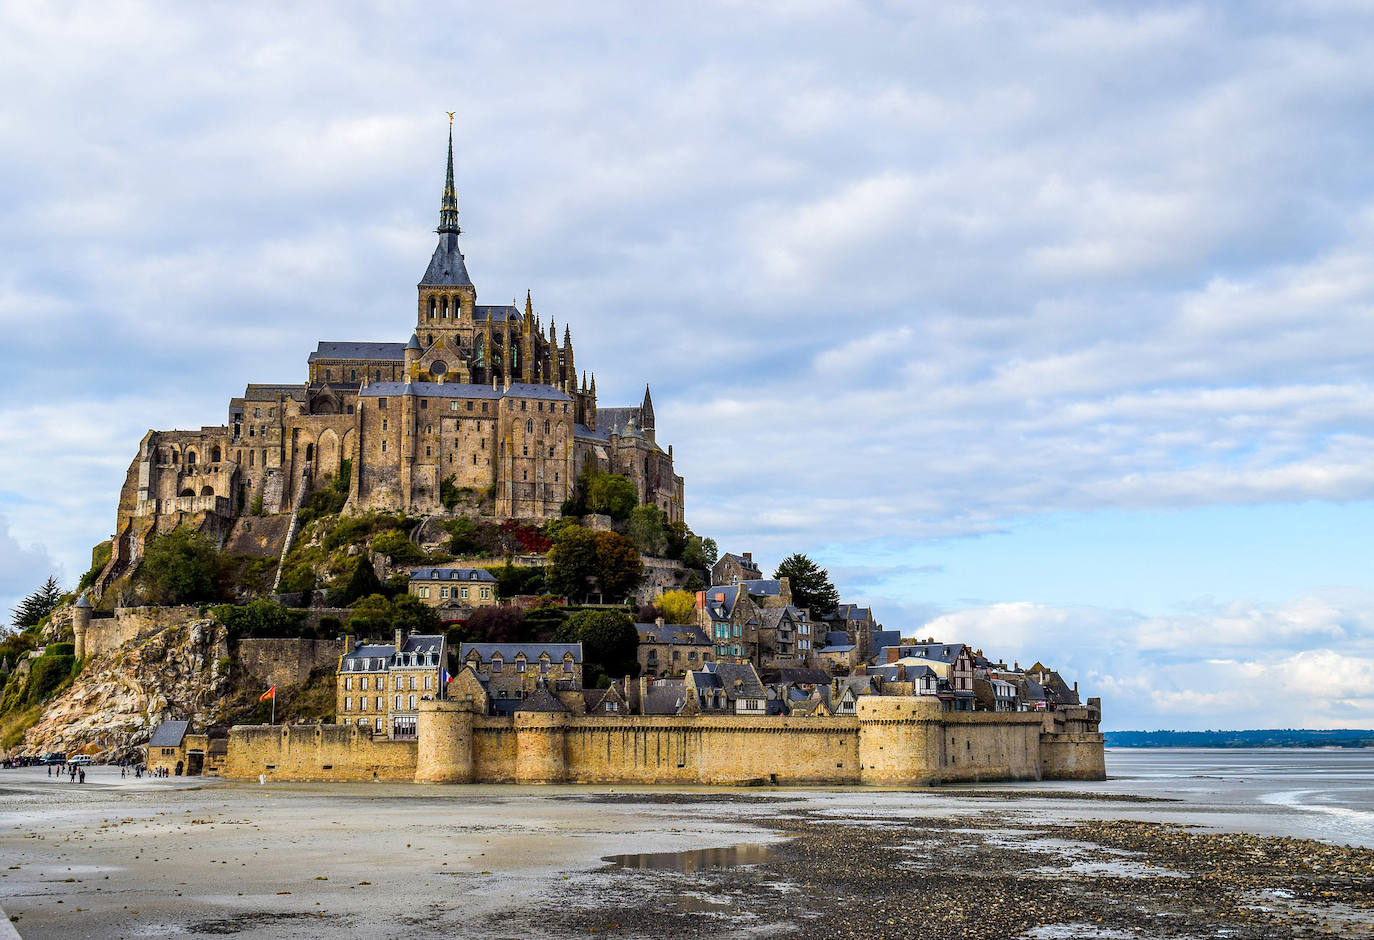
{"type": "Point", "coordinates": [1235, 847]}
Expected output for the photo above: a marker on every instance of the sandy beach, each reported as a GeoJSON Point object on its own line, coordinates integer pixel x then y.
{"type": "Point", "coordinates": [1124, 858]}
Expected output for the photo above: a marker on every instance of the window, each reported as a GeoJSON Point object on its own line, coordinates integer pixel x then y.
{"type": "Point", "coordinates": [422, 592]}
{"type": "Point", "coordinates": [348, 682]}
{"type": "Point", "coordinates": [453, 405]}
{"type": "Point", "coordinates": [522, 404]}
{"type": "Point", "coordinates": [398, 688]}
{"type": "Point", "coordinates": [546, 426]}
{"type": "Point", "coordinates": [525, 450]}
{"type": "Point", "coordinates": [384, 447]}
{"type": "Point", "coordinates": [353, 375]}
{"type": "Point", "coordinates": [427, 450]}
{"type": "Point", "coordinates": [428, 679]}
{"type": "Point", "coordinates": [411, 703]}
{"type": "Point", "coordinates": [384, 424]}
{"type": "Point", "coordinates": [486, 593]}
{"type": "Point", "coordinates": [328, 374]}
{"type": "Point", "coordinates": [381, 404]}
{"type": "Point", "coordinates": [412, 680]}
{"type": "Point", "coordinates": [567, 665]}
{"type": "Point", "coordinates": [463, 593]}
{"type": "Point", "coordinates": [378, 376]}
{"type": "Point", "coordinates": [444, 592]}
{"type": "Point", "coordinates": [348, 704]}
{"type": "Point", "coordinates": [543, 667]}
{"type": "Point", "coordinates": [363, 683]}
{"type": "Point", "coordinates": [379, 720]}
{"type": "Point", "coordinates": [455, 408]}
{"type": "Point", "coordinates": [529, 425]}
{"type": "Point", "coordinates": [379, 708]}
{"type": "Point", "coordinates": [519, 665]}
{"type": "Point", "coordinates": [484, 410]}
{"type": "Point", "coordinates": [495, 666]}
{"type": "Point", "coordinates": [398, 699]}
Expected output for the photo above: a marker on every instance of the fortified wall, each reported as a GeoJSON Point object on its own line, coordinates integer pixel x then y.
{"type": "Point", "coordinates": [892, 740]}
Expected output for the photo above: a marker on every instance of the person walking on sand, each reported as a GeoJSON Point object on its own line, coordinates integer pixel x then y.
{"type": "Point", "coordinates": [81, 771]}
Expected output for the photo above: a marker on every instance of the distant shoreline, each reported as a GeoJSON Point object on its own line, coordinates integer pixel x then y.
{"type": "Point", "coordinates": [1341, 738]}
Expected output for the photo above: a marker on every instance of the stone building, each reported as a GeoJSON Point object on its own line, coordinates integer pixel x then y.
{"type": "Point", "coordinates": [380, 686]}
{"type": "Point", "coordinates": [484, 398]}
{"type": "Point", "coordinates": [732, 568]}
{"type": "Point", "coordinates": [513, 671]}
{"type": "Point", "coordinates": [672, 649]}
{"type": "Point", "coordinates": [454, 587]}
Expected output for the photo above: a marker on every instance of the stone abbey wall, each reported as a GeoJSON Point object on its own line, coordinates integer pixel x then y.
{"type": "Point", "coordinates": [892, 741]}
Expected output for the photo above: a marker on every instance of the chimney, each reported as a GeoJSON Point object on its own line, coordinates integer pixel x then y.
{"type": "Point", "coordinates": [1075, 687]}
{"type": "Point", "coordinates": [748, 556]}
{"type": "Point", "coordinates": [643, 694]}
{"type": "Point", "coordinates": [892, 653]}
{"type": "Point", "coordinates": [400, 639]}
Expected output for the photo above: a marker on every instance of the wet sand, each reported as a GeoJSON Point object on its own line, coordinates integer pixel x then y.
{"type": "Point", "coordinates": [200, 858]}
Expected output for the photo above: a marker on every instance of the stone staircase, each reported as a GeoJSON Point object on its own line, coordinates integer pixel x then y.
{"type": "Point", "coordinates": [302, 491]}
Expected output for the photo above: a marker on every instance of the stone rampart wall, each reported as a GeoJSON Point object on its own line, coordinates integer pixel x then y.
{"type": "Point", "coordinates": [892, 741]}
{"type": "Point", "coordinates": [132, 623]}
{"type": "Point", "coordinates": [286, 663]}
{"type": "Point", "coordinates": [316, 752]}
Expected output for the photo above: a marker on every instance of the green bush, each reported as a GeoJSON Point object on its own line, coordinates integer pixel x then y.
{"type": "Point", "coordinates": [298, 579]}
{"type": "Point", "coordinates": [401, 550]}
{"type": "Point", "coordinates": [261, 618]}
{"type": "Point", "coordinates": [181, 567]}
{"type": "Point", "coordinates": [60, 649]}
{"type": "Point", "coordinates": [47, 674]}
{"type": "Point", "coordinates": [449, 493]}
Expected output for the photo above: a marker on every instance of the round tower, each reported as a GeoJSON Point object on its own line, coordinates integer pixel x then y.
{"type": "Point", "coordinates": [81, 622]}
{"type": "Point", "coordinates": [412, 355]}
{"type": "Point", "coordinates": [443, 739]}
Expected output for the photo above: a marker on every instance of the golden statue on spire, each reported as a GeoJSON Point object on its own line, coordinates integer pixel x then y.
{"type": "Point", "coordinates": [450, 118]}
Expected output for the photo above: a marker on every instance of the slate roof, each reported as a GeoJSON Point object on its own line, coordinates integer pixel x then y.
{"type": "Point", "coordinates": [532, 651]}
{"type": "Point", "coordinates": [482, 312]}
{"type": "Point", "coordinates": [541, 700]}
{"type": "Point", "coordinates": [666, 699]}
{"type": "Point", "coordinates": [452, 574]}
{"type": "Point", "coordinates": [802, 676]}
{"type": "Point", "coordinates": [738, 680]}
{"type": "Point", "coordinates": [940, 652]}
{"type": "Point", "coordinates": [837, 638]}
{"type": "Point", "coordinates": [423, 643]}
{"type": "Point", "coordinates": [763, 587]}
{"type": "Point", "coordinates": [169, 734]}
{"type": "Point", "coordinates": [672, 633]}
{"type": "Point", "coordinates": [446, 267]}
{"type": "Point", "coordinates": [883, 638]}
{"type": "Point", "coordinates": [382, 651]}
{"type": "Point", "coordinates": [345, 350]}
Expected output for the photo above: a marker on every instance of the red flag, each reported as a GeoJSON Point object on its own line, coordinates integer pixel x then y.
{"type": "Point", "coordinates": [270, 693]}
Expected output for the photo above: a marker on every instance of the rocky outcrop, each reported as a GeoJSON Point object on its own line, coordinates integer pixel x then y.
{"type": "Point", "coordinates": [121, 695]}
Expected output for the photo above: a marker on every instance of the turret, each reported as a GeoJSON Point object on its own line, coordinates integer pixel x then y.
{"type": "Point", "coordinates": [646, 415]}
{"type": "Point", "coordinates": [412, 355]}
{"type": "Point", "coordinates": [81, 622]}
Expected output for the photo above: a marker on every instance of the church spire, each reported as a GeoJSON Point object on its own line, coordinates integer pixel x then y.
{"type": "Point", "coordinates": [448, 211]}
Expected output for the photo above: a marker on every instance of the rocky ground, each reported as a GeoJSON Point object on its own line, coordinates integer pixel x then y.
{"type": "Point", "coordinates": [980, 876]}
{"type": "Point", "coordinates": [120, 695]}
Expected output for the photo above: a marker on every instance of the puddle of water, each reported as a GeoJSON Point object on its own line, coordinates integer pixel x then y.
{"type": "Point", "coordinates": [694, 860]}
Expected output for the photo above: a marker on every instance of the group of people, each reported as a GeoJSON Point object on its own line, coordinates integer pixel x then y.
{"type": "Point", "coordinates": [77, 774]}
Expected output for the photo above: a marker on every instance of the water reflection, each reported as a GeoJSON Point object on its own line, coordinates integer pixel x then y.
{"type": "Point", "coordinates": [694, 860]}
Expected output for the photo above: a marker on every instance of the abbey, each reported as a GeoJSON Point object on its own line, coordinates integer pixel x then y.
{"type": "Point", "coordinates": [484, 398]}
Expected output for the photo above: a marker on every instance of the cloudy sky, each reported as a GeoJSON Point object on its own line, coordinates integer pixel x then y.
{"type": "Point", "coordinates": [1047, 327]}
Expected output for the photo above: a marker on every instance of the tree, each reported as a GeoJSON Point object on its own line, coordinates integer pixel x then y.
{"type": "Point", "coordinates": [180, 567]}
{"type": "Point", "coordinates": [496, 625]}
{"type": "Point", "coordinates": [649, 530]}
{"type": "Point", "coordinates": [811, 587]}
{"type": "Point", "coordinates": [371, 616]}
{"type": "Point", "coordinates": [699, 552]}
{"type": "Point", "coordinates": [37, 605]}
{"type": "Point", "coordinates": [611, 494]}
{"type": "Point", "coordinates": [619, 569]}
{"type": "Point", "coordinates": [678, 606]}
{"type": "Point", "coordinates": [398, 547]}
{"type": "Point", "coordinates": [260, 618]}
{"type": "Point", "coordinates": [544, 621]}
{"type": "Point", "coordinates": [413, 615]}
{"type": "Point", "coordinates": [363, 582]}
{"type": "Point", "coordinates": [572, 561]}
{"type": "Point", "coordinates": [610, 644]}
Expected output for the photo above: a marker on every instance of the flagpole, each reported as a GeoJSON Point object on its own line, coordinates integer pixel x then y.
{"type": "Point", "coordinates": [274, 705]}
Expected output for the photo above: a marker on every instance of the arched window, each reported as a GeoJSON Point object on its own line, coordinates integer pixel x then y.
{"type": "Point", "coordinates": [546, 425]}
{"type": "Point", "coordinates": [529, 425]}
{"type": "Point", "coordinates": [429, 339]}
{"type": "Point", "coordinates": [481, 351]}
{"type": "Point", "coordinates": [187, 492]}
{"type": "Point", "coordinates": [443, 306]}
{"type": "Point", "coordinates": [412, 702]}
{"type": "Point", "coordinates": [378, 376]}
{"type": "Point", "coordinates": [215, 454]}
{"type": "Point", "coordinates": [398, 702]}
{"type": "Point", "coordinates": [207, 491]}
{"type": "Point", "coordinates": [190, 458]}
{"type": "Point", "coordinates": [431, 308]}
